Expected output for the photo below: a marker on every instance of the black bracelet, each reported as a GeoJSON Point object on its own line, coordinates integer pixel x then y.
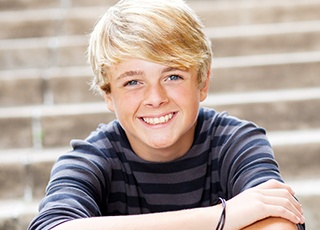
{"type": "Point", "coordinates": [222, 219]}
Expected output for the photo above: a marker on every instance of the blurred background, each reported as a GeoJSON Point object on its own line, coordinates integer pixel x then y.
{"type": "Point", "coordinates": [266, 69]}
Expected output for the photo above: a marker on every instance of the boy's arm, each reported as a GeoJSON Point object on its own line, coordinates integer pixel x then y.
{"type": "Point", "coordinates": [198, 218]}
{"type": "Point", "coordinates": [159, 221]}
{"type": "Point", "coordinates": [271, 198]}
{"type": "Point", "coordinates": [272, 223]}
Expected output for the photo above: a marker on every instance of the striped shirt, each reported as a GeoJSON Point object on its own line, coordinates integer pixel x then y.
{"type": "Point", "coordinates": [103, 176]}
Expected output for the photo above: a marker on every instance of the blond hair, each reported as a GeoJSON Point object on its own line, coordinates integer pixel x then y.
{"type": "Point", "coordinates": [167, 32]}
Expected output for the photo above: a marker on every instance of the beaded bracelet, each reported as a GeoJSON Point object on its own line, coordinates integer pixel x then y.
{"type": "Point", "coordinates": [222, 219]}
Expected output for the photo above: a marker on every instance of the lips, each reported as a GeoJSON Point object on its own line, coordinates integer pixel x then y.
{"type": "Point", "coordinates": [158, 120]}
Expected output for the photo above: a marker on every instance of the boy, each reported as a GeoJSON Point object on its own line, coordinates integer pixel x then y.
{"type": "Point", "coordinates": [164, 156]}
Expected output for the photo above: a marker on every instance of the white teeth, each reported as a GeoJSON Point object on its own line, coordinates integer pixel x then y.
{"type": "Point", "coordinates": [158, 120]}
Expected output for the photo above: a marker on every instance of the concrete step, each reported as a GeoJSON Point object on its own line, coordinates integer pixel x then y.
{"type": "Point", "coordinates": [244, 12]}
{"type": "Point", "coordinates": [25, 172]}
{"type": "Point", "coordinates": [20, 5]}
{"type": "Point", "coordinates": [55, 125]}
{"type": "Point", "coordinates": [265, 72]}
{"type": "Point", "coordinates": [265, 38]}
{"type": "Point", "coordinates": [69, 84]}
{"type": "Point", "coordinates": [17, 214]}
{"type": "Point", "coordinates": [32, 125]}
{"type": "Point", "coordinates": [228, 41]}
{"type": "Point", "coordinates": [274, 110]}
{"type": "Point", "coordinates": [46, 52]}
{"type": "Point", "coordinates": [77, 17]}
{"type": "Point", "coordinates": [46, 86]}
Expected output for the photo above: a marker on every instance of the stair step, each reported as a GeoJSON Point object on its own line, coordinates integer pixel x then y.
{"type": "Point", "coordinates": [70, 50]}
{"type": "Point", "coordinates": [254, 73]}
{"type": "Point", "coordinates": [24, 173]}
{"type": "Point", "coordinates": [55, 125]}
{"type": "Point", "coordinates": [20, 5]}
{"type": "Point", "coordinates": [243, 12]}
{"type": "Point", "coordinates": [17, 214]}
{"type": "Point", "coordinates": [252, 39]}
{"type": "Point", "coordinates": [65, 16]}
{"type": "Point", "coordinates": [69, 84]}
{"type": "Point", "coordinates": [46, 52]}
{"type": "Point", "coordinates": [299, 160]}
{"type": "Point", "coordinates": [272, 110]}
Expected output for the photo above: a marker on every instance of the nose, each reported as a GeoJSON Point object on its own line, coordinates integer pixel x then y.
{"type": "Point", "coordinates": [156, 95]}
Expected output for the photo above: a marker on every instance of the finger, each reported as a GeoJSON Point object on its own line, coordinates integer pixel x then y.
{"type": "Point", "coordinates": [283, 212]}
{"type": "Point", "coordinates": [284, 194]}
{"type": "Point", "coordinates": [284, 207]}
{"type": "Point", "coordinates": [277, 185]}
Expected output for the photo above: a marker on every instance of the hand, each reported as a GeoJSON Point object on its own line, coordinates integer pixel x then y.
{"type": "Point", "coordinates": [270, 199]}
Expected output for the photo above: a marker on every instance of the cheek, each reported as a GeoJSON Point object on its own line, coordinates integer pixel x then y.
{"type": "Point", "coordinates": [186, 95]}
{"type": "Point", "coordinates": [127, 102]}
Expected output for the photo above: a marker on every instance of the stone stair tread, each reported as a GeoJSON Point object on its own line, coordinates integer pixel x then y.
{"type": "Point", "coordinates": [248, 73]}
{"type": "Point", "coordinates": [262, 96]}
{"type": "Point", "coordinates": [34, 165]}
{"type": "Point", "coordinates": [66, 20]}
{"type": "Point", "coordinates": [276, 28]}
{"type": "Point", "coordinates": [218, 62]}
{"type": "Point", "coordinates": [263, 29]}
{"type": "Point", "coordinates": [212, 100]}
{"type": "Point", "coordinates": [293, 137]}
{"type": "Point", "coordinates": [267, 59]}
{"type": "Point", "coordinates": [17, 214]}
{"type": "Point", "coordinates": [276, 138]}
{"type": "Point", "coordinates": [202, 7]}
{"type": "Point", "coordinates": [17, 5]}
{"type": "Point", "coordinates": [27, 155]}
{"type": "Point", "coordinates": [17, 206]}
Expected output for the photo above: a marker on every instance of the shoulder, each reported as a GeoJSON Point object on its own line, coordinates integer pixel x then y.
{"type": "Point", "coordinates": [223, 119]}
{"type": "Point", "coordinates": [221, 124]}
{"type": "Point", "coordinates": [99, 149]}
{"type": "Point", "coordinates": [105, 137]}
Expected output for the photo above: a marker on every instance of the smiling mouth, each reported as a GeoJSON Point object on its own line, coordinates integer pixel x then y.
{"type": "Point", "coordinates": [158, 120]}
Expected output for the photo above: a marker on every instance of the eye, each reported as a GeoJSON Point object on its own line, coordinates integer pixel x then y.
{"type": "Point", "coordinates": [131, 83]}
{"type": "Point", "coordinates": [174, 77]}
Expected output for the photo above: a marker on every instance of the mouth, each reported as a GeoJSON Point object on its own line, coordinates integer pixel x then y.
{"type": "Point", "coordinates": [158, 120]}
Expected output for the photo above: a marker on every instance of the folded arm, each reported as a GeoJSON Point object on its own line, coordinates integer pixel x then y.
{"type": "Point", "coordinates": [272, 223]}
{"type": "Point", "coordinates": [249, 210]}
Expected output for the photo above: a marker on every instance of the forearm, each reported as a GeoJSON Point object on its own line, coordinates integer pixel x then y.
{"type": "Point", "coordinates": [193, 219]}
{"type": "Point", "coordinates": [272, 223]}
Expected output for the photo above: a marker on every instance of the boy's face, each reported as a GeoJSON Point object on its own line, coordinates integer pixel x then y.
{"type": "Point", "coordinates": [157, 106]}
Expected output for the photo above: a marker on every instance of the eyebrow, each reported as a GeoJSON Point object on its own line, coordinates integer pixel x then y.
{"type": "Point", "coordinates": [130, 73]}
{"type": "Point", "coordinates": [169, 69]}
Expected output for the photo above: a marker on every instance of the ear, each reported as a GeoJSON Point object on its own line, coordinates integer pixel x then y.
{"type": "Point", "coordinates": [205, 87]}
{"type": "Point", "coordinates": [109, 101]}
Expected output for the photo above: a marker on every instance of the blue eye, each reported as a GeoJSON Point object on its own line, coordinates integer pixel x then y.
{"type": "Point", "coordinates": [130, 83]}
{"type": "Point", "coordinates": [174, 78]}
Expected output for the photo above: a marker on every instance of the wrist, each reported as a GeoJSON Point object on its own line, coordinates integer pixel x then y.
{"type": "Point", "coordinates": [222, 219]}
